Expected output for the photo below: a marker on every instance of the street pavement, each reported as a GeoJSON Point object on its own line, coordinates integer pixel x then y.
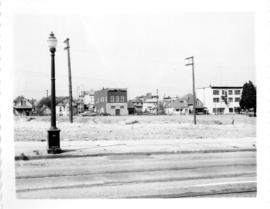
{"type": "Point", "coordinates": [141, 169]}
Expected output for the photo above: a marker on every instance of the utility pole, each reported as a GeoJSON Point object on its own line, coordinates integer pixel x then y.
{"type": "Point", "coordinates": [69, 81]}
{"type": "Point", "coordinates": [157, 101]}
{"type": "Point", "coordinates": [193, 85]}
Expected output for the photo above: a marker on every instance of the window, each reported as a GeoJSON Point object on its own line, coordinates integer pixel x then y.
{"type": "Point", "coordinates": [223, 92]}
{"type": "Point", "coordinates": [215, 99]}
{"type": "Point", "coordinates": [122, 107]}
{"type": "Point", "coordinates": [97, 100]}
{"type": "Point", "coordinates": [113, 107]}
{"type": "Point", "coordinates": [122, 99]}
{"type": "Point", "coordinates": [230, 109]}
{"type": "Point", "coordinates": [117, 99]}
{"type": "Point", "coordinates": [220, 110]}
{"type": "Point", "coordinates": [230, 92]}
{"type": "Point", "coordinates": [112, 98]}
{"type": "Point", "coordinates": [230, 99]}
{"type": "Point", "coordinates": [237, 99]}
{"type": "Point", "coordinates": [214, 110]}
{"type": "Point", "coordinates": [237, 92]}
{"type": "Point", "coordinates": [215, 92]}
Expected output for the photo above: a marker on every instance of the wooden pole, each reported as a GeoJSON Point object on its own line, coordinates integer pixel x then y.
{"type": "Point", "coordinates": [69, 81]}
{"type": "Point", "coordinates": [157, 101]}
{"type": "Point", "coordinates": [193, 87]}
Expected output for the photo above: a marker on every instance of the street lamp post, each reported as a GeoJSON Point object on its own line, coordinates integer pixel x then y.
{"type": "Point", "coordinates": [53, 132]}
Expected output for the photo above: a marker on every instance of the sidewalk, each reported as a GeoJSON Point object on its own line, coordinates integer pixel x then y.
{"type": "Point", "coordinates": [38, 150]}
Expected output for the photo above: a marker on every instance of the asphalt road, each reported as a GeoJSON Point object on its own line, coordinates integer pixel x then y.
{"type": "Point", "coordinates": [225, 174]}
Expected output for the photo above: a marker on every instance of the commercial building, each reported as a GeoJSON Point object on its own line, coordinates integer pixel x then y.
{"type": "Point", "coordinates": [111, 101]}
{"type": "Point", "coordinates": [220, 99]}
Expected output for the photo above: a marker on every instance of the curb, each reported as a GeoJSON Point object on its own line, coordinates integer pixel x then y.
{"type": "Point", "coordinates": [58, 156]}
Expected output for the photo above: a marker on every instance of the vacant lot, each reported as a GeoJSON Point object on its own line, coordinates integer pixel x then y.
{"type": "Point", "coordinates": [137, 127]}
{"type": "Point", "coordinates": [138, 157]}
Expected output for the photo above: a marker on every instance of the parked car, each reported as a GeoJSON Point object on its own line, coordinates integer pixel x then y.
{"type": "Point", "coordinates": [88, 113]}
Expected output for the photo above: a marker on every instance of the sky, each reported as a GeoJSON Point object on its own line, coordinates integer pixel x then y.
{"type": "Point", "coordinates": [140, 52]}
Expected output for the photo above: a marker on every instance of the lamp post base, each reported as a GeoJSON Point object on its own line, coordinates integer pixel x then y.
{"type": "Point", "coordinates": [54, 141]}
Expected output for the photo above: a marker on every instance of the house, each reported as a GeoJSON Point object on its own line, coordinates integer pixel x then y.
{"type": "Point", "coordinates": [149, 103]}
{"type": "Point", "coordinates": [200, 108]}
{"type": "Point", "coordinates": [176, 107]}
{"type": "Point", "coordinates": [22, 106]}
{"type": "Point", "coordinates": [135, 106]}
{"type": "Point", "coordinates": [138, 105]}
{"type": "Point", "coordinates": [44, 111]}
{"type": "Point", "coordinates": [111, 101]}
{"type": "Point", "coordinates": [62, 108]}
{"type": "Point", "coordinates": [220, 99]}
{"type": "Point", "coordinates": [131, 108]}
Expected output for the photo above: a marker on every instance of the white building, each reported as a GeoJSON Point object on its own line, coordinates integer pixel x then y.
{"type": "Point", "coordinates": [220, 99]}
{"type": "Point", "coordinates": [62, 109]}
{"type": "Point", "coordinates": [86, 100]}
{"type": "Point", "coordinates": [150, 103]}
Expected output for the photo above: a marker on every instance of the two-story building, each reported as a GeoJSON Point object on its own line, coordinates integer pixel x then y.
{"type": "Point", "coordinates": [86, 100]}
{"type": "Point", "coordinates": [149, 103]}
{"type": "Point", "coordinates": [220, 99]}
{"type": "Point", "coordinates": [111, 101]}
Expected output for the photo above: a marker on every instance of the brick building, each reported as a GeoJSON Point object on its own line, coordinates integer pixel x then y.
{"type": "Point", "coordinates": [111, 101]}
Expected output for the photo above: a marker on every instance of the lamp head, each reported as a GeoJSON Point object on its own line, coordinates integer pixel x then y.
{"type": "Point", "coordinates": [52, 41]}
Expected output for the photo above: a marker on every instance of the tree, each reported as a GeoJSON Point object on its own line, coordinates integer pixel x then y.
{"type": "Point", "coordinates": [47, 101]}
{"type": "Point", "coordinates": [248, 98]}
{"type": "Point", "coordinates": [161, 110]}
{"type": "Point", "coordinates": [44, 101]}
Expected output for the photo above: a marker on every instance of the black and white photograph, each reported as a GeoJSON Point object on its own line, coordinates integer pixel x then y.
{"type": "Point", "coordinates": [133, 105]}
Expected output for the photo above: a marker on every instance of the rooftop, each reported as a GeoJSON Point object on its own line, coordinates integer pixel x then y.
{"type": "Point", "coordinates": [113, 89]}
{"type": "Point", "coordinates": [222, 87]}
